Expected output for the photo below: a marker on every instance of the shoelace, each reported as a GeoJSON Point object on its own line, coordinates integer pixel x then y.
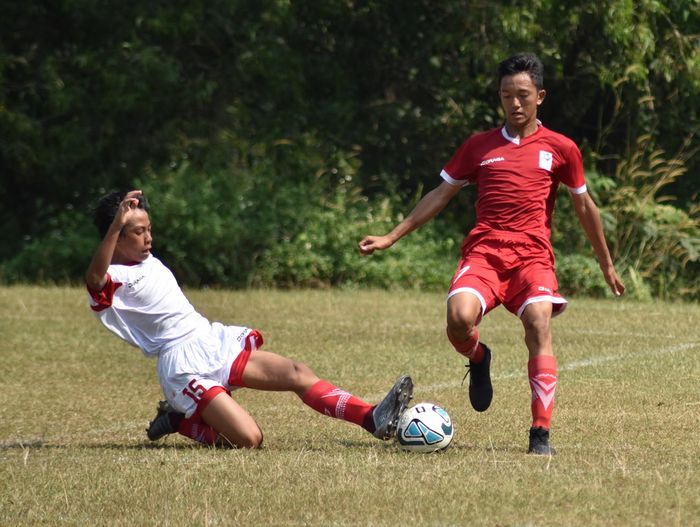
{"type": "Point", "coordinates": [469, 369]}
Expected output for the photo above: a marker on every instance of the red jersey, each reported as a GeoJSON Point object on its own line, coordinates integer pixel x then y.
{"type": "Point", "coordinates": [516, 179]}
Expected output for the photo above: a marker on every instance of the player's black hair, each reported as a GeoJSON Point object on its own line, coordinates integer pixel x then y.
{"type": "Point", "coordinates": [523, 63]}
{"type": "Point", "coordinates": [106, 209]}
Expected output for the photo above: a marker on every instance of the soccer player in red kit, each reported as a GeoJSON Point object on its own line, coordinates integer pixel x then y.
{"type": "Point", "coordinates": [507, 257]}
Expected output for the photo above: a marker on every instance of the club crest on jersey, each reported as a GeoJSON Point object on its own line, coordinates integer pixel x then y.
{"type": "Point", "coordinates": [546, 160]}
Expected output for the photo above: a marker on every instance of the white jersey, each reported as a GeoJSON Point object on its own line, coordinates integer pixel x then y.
{"type": "Point", "coordinates": [144, 305]}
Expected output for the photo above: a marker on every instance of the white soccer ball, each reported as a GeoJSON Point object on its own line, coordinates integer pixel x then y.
{"type": "Point", "coordinates": [425, 427]}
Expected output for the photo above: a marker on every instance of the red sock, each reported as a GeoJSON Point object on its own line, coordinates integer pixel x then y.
{"type": "Point", "coordinates": [542, 372]}
{"type": "Point", "coordinates": [334, 402]}
{"type": "Point", "coordinates": [195, 428]}
{"type": "Point", "coordinates": [469, 348]}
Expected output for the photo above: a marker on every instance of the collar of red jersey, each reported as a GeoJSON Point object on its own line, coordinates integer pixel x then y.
{"type": "Point", "coordinates": [515, 140]}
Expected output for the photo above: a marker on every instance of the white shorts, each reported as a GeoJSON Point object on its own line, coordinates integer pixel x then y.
{"type": "Point", "coordinates": [212, 362]}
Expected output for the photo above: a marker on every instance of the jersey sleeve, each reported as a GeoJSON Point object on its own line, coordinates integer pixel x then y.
{"type": "Point", "coordinates": [570, 173]}
{"type": "Point", "coordinates": [460, 169]}
{"type": "Point", "coordinates": [101, 300]}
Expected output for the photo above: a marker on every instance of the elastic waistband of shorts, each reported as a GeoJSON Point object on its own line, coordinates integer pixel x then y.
{"type": "Point", "coordinates": [505, 238]}
{"type": "Point", "coordinates": [192, 335]}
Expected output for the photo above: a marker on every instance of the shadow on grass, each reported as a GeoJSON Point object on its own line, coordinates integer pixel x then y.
{"type": "Point", "coordinates": [39, 443]}
{"type": "Point", "coordinates": [48, 444]}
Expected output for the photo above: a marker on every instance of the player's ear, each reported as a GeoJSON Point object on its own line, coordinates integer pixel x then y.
{"type": "Point", "coordinates": [540, 96]}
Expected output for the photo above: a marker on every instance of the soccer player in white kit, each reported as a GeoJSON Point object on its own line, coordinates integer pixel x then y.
{"type": "Point", "coordinates": [507, 258]}
{"type": "Point", "coordinates": [137, 298]}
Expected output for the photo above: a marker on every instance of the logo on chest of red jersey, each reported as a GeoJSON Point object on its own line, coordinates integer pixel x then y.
{"type": "Point", "coordinates": [491, 160]}
{"type": "Point", "coordinates": [545, 161]}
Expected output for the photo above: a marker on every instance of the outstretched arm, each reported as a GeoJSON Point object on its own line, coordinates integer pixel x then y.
{"type": "Point", "coordinates": [95, 277]}
{"type": "Point", "coordinates": [589, 216]}
{"type": "Point", "coordinates": [432, 203]}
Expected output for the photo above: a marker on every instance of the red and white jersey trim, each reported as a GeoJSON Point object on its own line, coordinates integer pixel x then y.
{"type": "Point", "coordinates": [103, 299]}
{"type": "Point", "coordinates": [453, 181]}
{"type": "Point", "coordinates": [144, 305]}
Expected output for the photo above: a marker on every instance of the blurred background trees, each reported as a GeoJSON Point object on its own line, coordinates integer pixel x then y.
{"type": "Point", "coordinates": [272, 135]}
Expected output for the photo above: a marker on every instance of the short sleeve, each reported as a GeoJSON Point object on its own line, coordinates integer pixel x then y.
{"type": "Point", "coordinates": [101, 300]}
{"type": "Point", "coordinates": [460, 169]}
{"type": "Point", "coordinates": [570, 173]}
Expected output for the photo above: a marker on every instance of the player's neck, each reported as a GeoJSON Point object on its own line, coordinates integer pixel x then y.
{"type": "Point", "coordinates": [522, 132]}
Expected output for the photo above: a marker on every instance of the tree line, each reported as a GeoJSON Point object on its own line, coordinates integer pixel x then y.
{"type": "Point", "coordinates": [271, 135]}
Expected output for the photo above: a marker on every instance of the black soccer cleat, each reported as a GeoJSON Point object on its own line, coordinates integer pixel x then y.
{"type": "Point", "coordinates": [387, 413]}
{"type": "Point", "coordinates": [164, 423]}
{"type": "Point", "coordinates": [480, 388]}
{"type": "Point", "coordinates": [539, 442]}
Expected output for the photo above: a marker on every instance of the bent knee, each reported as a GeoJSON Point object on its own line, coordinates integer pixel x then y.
{"type": "Point", "coordinates": [302, 375]}
{"type": "Point", "coordinates": [537, 322]}
{"type": "Point", "coordinates": [460, 321]}
{"type": "Point", "coordinates": [252, 439]}
{"type": "Point", "coordinates": [463, 312]}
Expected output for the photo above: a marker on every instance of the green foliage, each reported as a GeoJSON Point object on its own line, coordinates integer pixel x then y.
{"type": "Point", "coordinates": [326, 253]}
{"type": "Point", "coordinates": [656, 242]}
{"type": "Point", "coordinates": [247, 107]}
{"type": "Point", "coordinates": [578, 274]}
{"type": "Point", "coordinates": [60, 255]}
{"type": "Point", "coordinates": [215, 227]}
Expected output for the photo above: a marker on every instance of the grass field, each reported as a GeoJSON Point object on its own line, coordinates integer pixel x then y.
{"type": "Point", "coordinates": [75, 402]}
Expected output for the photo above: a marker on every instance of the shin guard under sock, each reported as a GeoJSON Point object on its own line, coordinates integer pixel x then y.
{"type": "Point", "coordinates": [195, 428]}
{"type": "Point", "coordinates": [469, 348]}
{"type": "Point", "coordinates": [542, 373]}
{"type": "Point", "coordinates": [334, 402]}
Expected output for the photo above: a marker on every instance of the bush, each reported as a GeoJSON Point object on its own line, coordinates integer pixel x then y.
{"type": "Point", "coordinates": [657, 243]}
{"type": "Point", "coordinates": [325, 252]}
{"type": "Point", "coordinates": [60, 256]}
{"type": "Point", "coordinates": [578, 274]}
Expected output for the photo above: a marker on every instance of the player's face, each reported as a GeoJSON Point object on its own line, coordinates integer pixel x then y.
{"type": "Point", "coordinates": [520, 99]}
{"type": "Point", "coordinates": [135, 240]}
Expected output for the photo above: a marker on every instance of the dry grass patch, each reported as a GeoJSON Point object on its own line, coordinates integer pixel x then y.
{"type": "Point", "coordinates": [75, 402]}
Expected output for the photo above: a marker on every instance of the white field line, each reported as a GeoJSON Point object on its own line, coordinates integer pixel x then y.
{"type": "Point", "coordinates": [571, 366]}
{"type": "Point", "coordinates": [576, 365]}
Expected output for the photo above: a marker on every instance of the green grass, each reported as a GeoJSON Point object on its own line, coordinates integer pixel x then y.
{"type": "Point", "coordinates": [75, 402]}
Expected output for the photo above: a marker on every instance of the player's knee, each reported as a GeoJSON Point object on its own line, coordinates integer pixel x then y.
{"type": "Point", "coordinates": [250, 439]}
{"type": "Point", "coordinates": [301, 373]}
{"type": "Point", "coordinates": [462, 317]}
{"type": "Point", "coordinates": [255, 439]}
{"type": "Point", "coordinates": [537, 326]}
{"type": "Point", "coordinates": [460, 323]}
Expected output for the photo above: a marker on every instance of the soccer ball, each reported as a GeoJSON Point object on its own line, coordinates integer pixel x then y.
{"type": "Point", "coordinates": [424, 427]}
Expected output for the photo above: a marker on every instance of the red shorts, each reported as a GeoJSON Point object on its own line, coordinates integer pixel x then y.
{"type": "Point", "coordinates": [515, 273]}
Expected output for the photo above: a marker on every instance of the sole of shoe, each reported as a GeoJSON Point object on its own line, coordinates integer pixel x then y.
{"type": "Point", "coordinates": [402, 393]}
